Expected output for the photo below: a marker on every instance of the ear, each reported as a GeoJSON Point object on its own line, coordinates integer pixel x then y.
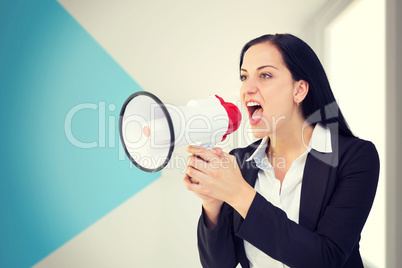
{"type": "Point", "coordinates": [300, 91]}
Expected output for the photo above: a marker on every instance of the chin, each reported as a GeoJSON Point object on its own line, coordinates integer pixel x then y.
{"type": "Point", "coordinates": [259, 133]}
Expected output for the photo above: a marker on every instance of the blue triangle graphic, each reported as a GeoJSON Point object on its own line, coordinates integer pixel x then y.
{"type": "Point", "coordinates": [51, 190]}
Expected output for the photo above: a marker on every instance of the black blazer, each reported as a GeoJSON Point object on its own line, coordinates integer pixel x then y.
{"type": "Point", "coordinates": [337, 193]}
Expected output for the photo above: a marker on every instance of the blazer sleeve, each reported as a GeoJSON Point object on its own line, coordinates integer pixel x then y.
{"type": "Point", "coordinates": [338, 230]}
{"type": "Point", "coordinates": [216, 247]}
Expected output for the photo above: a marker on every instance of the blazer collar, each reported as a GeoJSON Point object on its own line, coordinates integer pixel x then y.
{"type": "Point", "coordinates": [249, 172]}
{"type": "Point", "coordinates": [315, 180]}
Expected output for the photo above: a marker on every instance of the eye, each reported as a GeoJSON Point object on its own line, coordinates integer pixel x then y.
{"type": "Point", "coordinates": [243, 77]}
{"type": "Point", "coordinates": [265, 75]}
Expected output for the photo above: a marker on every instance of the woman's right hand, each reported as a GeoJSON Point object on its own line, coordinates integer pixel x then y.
{"type": "Point", "coordinates": [212, 206]}
{"type": "Point", "coordinates": [206, 200]}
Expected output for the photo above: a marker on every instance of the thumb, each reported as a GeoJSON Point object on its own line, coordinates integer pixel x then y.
{"type": "Point", "coordinates": [218, 151]}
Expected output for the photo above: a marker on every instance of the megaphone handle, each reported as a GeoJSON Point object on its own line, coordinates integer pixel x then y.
{"type": "Point", "coordinates": [208, 146]}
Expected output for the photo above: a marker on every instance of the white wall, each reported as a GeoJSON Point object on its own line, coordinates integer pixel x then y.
{"type": "Point", "coordinates": [182, 50]}
{"type": "Point", "coordinates": [355, 64]}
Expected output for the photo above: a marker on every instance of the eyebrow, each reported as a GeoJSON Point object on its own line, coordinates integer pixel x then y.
{"type": "Point", "coordinates": [261, 67]}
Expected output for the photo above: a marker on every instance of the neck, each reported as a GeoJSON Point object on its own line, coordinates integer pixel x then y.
{"type": "Point", "coordinates": [291, 139]}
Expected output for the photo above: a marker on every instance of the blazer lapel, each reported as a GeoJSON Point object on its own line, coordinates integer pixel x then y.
{"type": "Point", "coordinates": [314, 186]}
{"type": "Point", "coordinates": [249, 172]}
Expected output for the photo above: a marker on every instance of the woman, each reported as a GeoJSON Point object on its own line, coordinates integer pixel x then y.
{"type": "Point", "coordinates": [299, 196]}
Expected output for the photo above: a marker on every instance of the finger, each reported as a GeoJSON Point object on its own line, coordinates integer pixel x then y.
{"type": "Point", "coordinates": [205, 154]}
{"type": "Point", "coordinates": [198, 163]}
{"type": "Point", "coordinates": [194, 181]}
{"type": "Point", "coordinates": [195, 174]}
{"type": "Point", "coordinates": [208, 168]}
{"type": "Point", "coordinates": [187, 182]}
{"type": "Point", "coordinates": [186, 178]}
{"type": "Point", "coordinates": [228, 161]}
{"type": "Point", "coordinates": [218, 151]}
{"type": "Point", "coordinates": [194, 187]}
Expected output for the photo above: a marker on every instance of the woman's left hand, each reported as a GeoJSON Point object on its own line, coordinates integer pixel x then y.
{"type": "Point", "coordinates": [216, 174]}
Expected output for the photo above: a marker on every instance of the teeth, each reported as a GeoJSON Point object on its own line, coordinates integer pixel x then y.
{"type": "Point", "coordinates": [252, 103]}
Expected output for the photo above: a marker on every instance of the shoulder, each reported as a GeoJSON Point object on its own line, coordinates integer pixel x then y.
{"type": "Point", "coordinates": [352, 145]}
{"type": "Point", "coordinates": [354, 152]}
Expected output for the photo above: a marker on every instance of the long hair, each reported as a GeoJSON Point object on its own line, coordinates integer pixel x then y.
{"type": "Point", "coordinates": [304, 64]}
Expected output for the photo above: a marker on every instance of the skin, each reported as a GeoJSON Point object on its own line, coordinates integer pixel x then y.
{"type": "Point", "coordinates": [214, 175]}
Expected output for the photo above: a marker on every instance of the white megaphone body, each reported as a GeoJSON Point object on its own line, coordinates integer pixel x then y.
{"type": "Point", "coordinates": [150, 129]}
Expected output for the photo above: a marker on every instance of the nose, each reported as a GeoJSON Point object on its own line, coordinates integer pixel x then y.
{"type": "Point", "coordinates": [249, 87]}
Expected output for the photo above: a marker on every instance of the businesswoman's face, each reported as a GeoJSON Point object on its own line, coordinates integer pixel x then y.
{"type": "Point", "coordinates": [267, 90]}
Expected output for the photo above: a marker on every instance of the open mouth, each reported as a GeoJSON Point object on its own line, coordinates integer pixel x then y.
{"type": "Point", "coordinates": [255, 112]}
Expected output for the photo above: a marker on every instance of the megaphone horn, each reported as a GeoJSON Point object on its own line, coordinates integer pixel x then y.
{"type": "Point", "coordinates": [150, 129]}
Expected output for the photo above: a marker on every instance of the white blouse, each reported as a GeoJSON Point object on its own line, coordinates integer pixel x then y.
{"type": "Point", "coordinates": [287, 199]}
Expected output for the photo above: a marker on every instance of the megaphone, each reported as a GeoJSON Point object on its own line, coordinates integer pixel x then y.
{"type": "Point", "coordinates": [150, 129]}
